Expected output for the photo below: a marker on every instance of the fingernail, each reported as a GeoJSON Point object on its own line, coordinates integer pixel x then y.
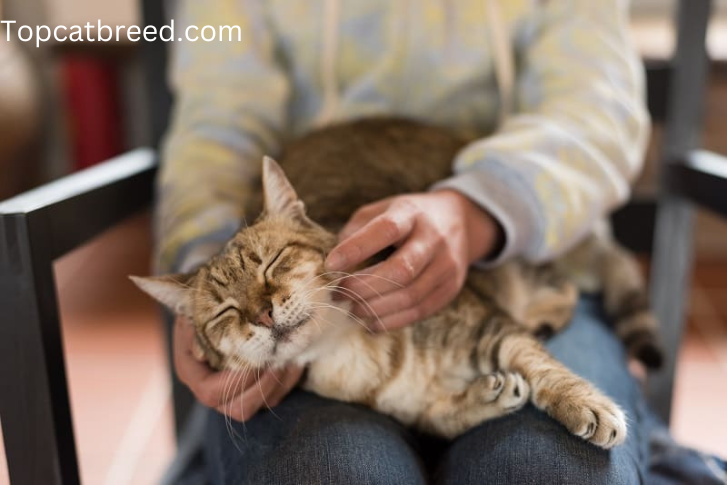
{"type": "Point", "coordinates": [335, 262]}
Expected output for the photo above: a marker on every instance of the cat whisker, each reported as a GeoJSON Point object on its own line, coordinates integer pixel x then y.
{"type": "Point", "coordinates": [346, 291]}
{"type": "Point", "coordinates": [361, 300]}
{"type": "Point", "coordinates": [360, 275]}
{"type": "Point", "coordinates": [234, 381]}
{"type": "Point", "coordinates": [318, 325]}
{"type": "Point", "coordinates": [232, 433]}
{"type": "Point", "coordinates": [356, 319]}
{"type": "Point", "coordinates": [262, 395]}
{"type": "Point", "coordinates": [352, 275]}
{"type": "Point", "coordinates": [327, 321]}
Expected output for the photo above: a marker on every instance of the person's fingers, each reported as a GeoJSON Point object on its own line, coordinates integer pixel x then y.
{"type": "Point", "coordinates": [341, 290]}
{"type": "Point", "coordinates": [239, 394]}
{"type": "Point", "coordinates": [435, 301]}
{"type": "Point", "coordinates": [189, 369]}
{"type": "Point", "coordinates": [381, 232]}
{"type": "Point", "coordinates": [224, 386]}
{"type": "Point", "coordinates": [249, 402]}
{"type": "Point", "coordinates": [210, 387]}
{"type": "Point", "coordinates": [397, 272]}
{"type": "Point", "coordinates": [436, 272]}
{"type": "Point", "coordinates": [288, 382]}
{"type": "Point", "coordinates": [363, 215]}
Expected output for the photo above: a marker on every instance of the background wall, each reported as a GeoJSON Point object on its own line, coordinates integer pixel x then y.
{"type": "Point", "coordinates": [70, 12]}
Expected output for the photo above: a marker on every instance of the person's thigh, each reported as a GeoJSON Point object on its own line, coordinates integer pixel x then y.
{"type": "Point", "coordinates": [530, 447]}
{"type": "Point", "coordinates": [309, 439]}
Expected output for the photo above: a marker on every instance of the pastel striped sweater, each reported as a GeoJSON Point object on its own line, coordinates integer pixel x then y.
{"type": "Point", "coordinates": [551, 92]}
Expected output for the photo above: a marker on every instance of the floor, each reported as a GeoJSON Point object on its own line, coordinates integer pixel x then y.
{"type": "Point", "coordinates": [118, 374]}
{"type": "Point", "coordinates": [699, 414]}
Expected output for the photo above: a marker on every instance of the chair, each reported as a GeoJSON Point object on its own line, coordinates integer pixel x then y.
{"type": "Point", "coordinates": [43, 224]}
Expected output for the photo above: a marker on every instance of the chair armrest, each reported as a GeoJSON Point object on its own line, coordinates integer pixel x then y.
{"type": "Point", "coordinates": [35, 228]}
{"type": "Point", "coordinates": [700, 178]}
{"type": "Point", "coordinates": [79, 206]}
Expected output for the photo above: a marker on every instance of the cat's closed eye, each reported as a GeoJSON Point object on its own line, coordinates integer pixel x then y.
{"type": "Point", "coordinates": [272, 263]}
{"type": "Point", "coordinates": [224, 310]}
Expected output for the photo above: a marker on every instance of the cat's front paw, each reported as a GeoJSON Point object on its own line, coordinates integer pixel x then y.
{"type": "Point", "coordinates": [593, 417]}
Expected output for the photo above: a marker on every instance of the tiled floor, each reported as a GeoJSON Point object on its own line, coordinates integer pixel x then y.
{"type": "Point", "coordinates": [118, 374]}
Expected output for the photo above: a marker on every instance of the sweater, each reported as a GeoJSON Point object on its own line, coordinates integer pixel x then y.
{"type": "Point", "coordinates": [551, 93]}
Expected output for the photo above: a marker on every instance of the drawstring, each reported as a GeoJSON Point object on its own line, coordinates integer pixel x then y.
{"type": "Point", "coordinates": [328, 62]}
{"type": "Point", "coordinates": [504, 69]}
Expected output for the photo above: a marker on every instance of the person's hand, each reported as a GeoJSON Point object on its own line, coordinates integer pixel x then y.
{"type": "Point", "coordinates": [437, 236]}
{"type": "Point", "coordinates": [237, 394]}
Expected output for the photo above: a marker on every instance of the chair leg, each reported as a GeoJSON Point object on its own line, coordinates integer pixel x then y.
{"type": "Point", "coordinates": [34, 405]}
{"type": "Point", "coordinates": [669, 283]}
{"type": "Point", "coordinates": [673, 232]}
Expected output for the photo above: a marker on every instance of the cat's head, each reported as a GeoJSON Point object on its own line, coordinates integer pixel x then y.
{"type": "Point", "coordinates": [264, 299]}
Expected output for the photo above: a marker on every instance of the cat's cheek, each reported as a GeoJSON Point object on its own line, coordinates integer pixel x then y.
{"type": "Point", "coordinates": [246, 348]}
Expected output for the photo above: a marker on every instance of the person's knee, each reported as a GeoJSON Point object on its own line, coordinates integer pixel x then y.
{"type": "Point", "coordinates": [529, 450]}
{"type": "Point", "coordinates": [559, 461]}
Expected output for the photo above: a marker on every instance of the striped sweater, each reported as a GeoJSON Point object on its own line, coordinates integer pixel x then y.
{"type": "Point", "coordinates": [550, 91]}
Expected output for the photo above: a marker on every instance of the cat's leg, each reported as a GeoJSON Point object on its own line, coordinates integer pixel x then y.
{"type": "Point", "coordinates": [487, 397]}
{"type": "Point", "coordinates": [566, 397]}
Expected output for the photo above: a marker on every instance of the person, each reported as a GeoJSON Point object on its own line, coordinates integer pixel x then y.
{"type": "Point", "coordinates": [553, 93]}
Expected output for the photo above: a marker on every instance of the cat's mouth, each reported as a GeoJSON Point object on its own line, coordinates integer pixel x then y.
{"type": "Point", "coordinates": [282, 333]}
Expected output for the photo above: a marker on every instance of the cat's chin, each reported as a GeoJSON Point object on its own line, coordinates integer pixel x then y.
{"type": "Point", "coordinates": [293, 341]}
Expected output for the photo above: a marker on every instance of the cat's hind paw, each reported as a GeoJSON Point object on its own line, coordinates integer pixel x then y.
{"type": "Point", "coordinates": [509, 391]}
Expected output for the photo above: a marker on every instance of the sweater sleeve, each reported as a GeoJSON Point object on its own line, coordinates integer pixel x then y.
{"type": "Point", "coordinates": [577, 138]}
{"type": "Point", "coordinates": [230, 101]}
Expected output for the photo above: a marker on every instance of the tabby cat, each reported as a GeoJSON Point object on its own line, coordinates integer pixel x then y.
{"type": "Point", "coordinates": [265, 301]}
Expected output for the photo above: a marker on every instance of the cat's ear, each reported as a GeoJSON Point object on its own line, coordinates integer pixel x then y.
{"type": "Point", "coordinates": [172, 291]}
{"type": "Point", "coordinates": [280, 198]}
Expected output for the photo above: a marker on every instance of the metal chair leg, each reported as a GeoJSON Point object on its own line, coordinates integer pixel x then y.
{"type": "Point", "coordinates": [670, 281]}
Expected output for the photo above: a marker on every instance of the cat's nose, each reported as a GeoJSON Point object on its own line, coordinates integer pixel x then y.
{"type": "Point", "coordinates": [265, 318]}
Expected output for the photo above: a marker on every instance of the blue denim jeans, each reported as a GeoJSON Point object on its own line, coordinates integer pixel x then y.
{"type": "Point", "coordinates": [309, 439]}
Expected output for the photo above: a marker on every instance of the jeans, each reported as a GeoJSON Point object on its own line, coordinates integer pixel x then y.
{"type": "Point", "coordinates": [308, 439]}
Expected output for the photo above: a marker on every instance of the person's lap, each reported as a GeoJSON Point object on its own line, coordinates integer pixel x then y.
{"type": "Point", "coordinates": [309, 439]}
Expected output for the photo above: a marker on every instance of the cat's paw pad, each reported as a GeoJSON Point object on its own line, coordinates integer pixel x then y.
{"type": "Point", "coordinates": [597, 420]}
{"type": "Point", "coordinates": [491, 386]}
{"type": "Point", "coordinates": [510, 390]}
{"type": "Point", "coordinates": [515, 393]}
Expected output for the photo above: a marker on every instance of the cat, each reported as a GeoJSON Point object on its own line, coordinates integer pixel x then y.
{"type": "Point", "coordinates": [265, 300]}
